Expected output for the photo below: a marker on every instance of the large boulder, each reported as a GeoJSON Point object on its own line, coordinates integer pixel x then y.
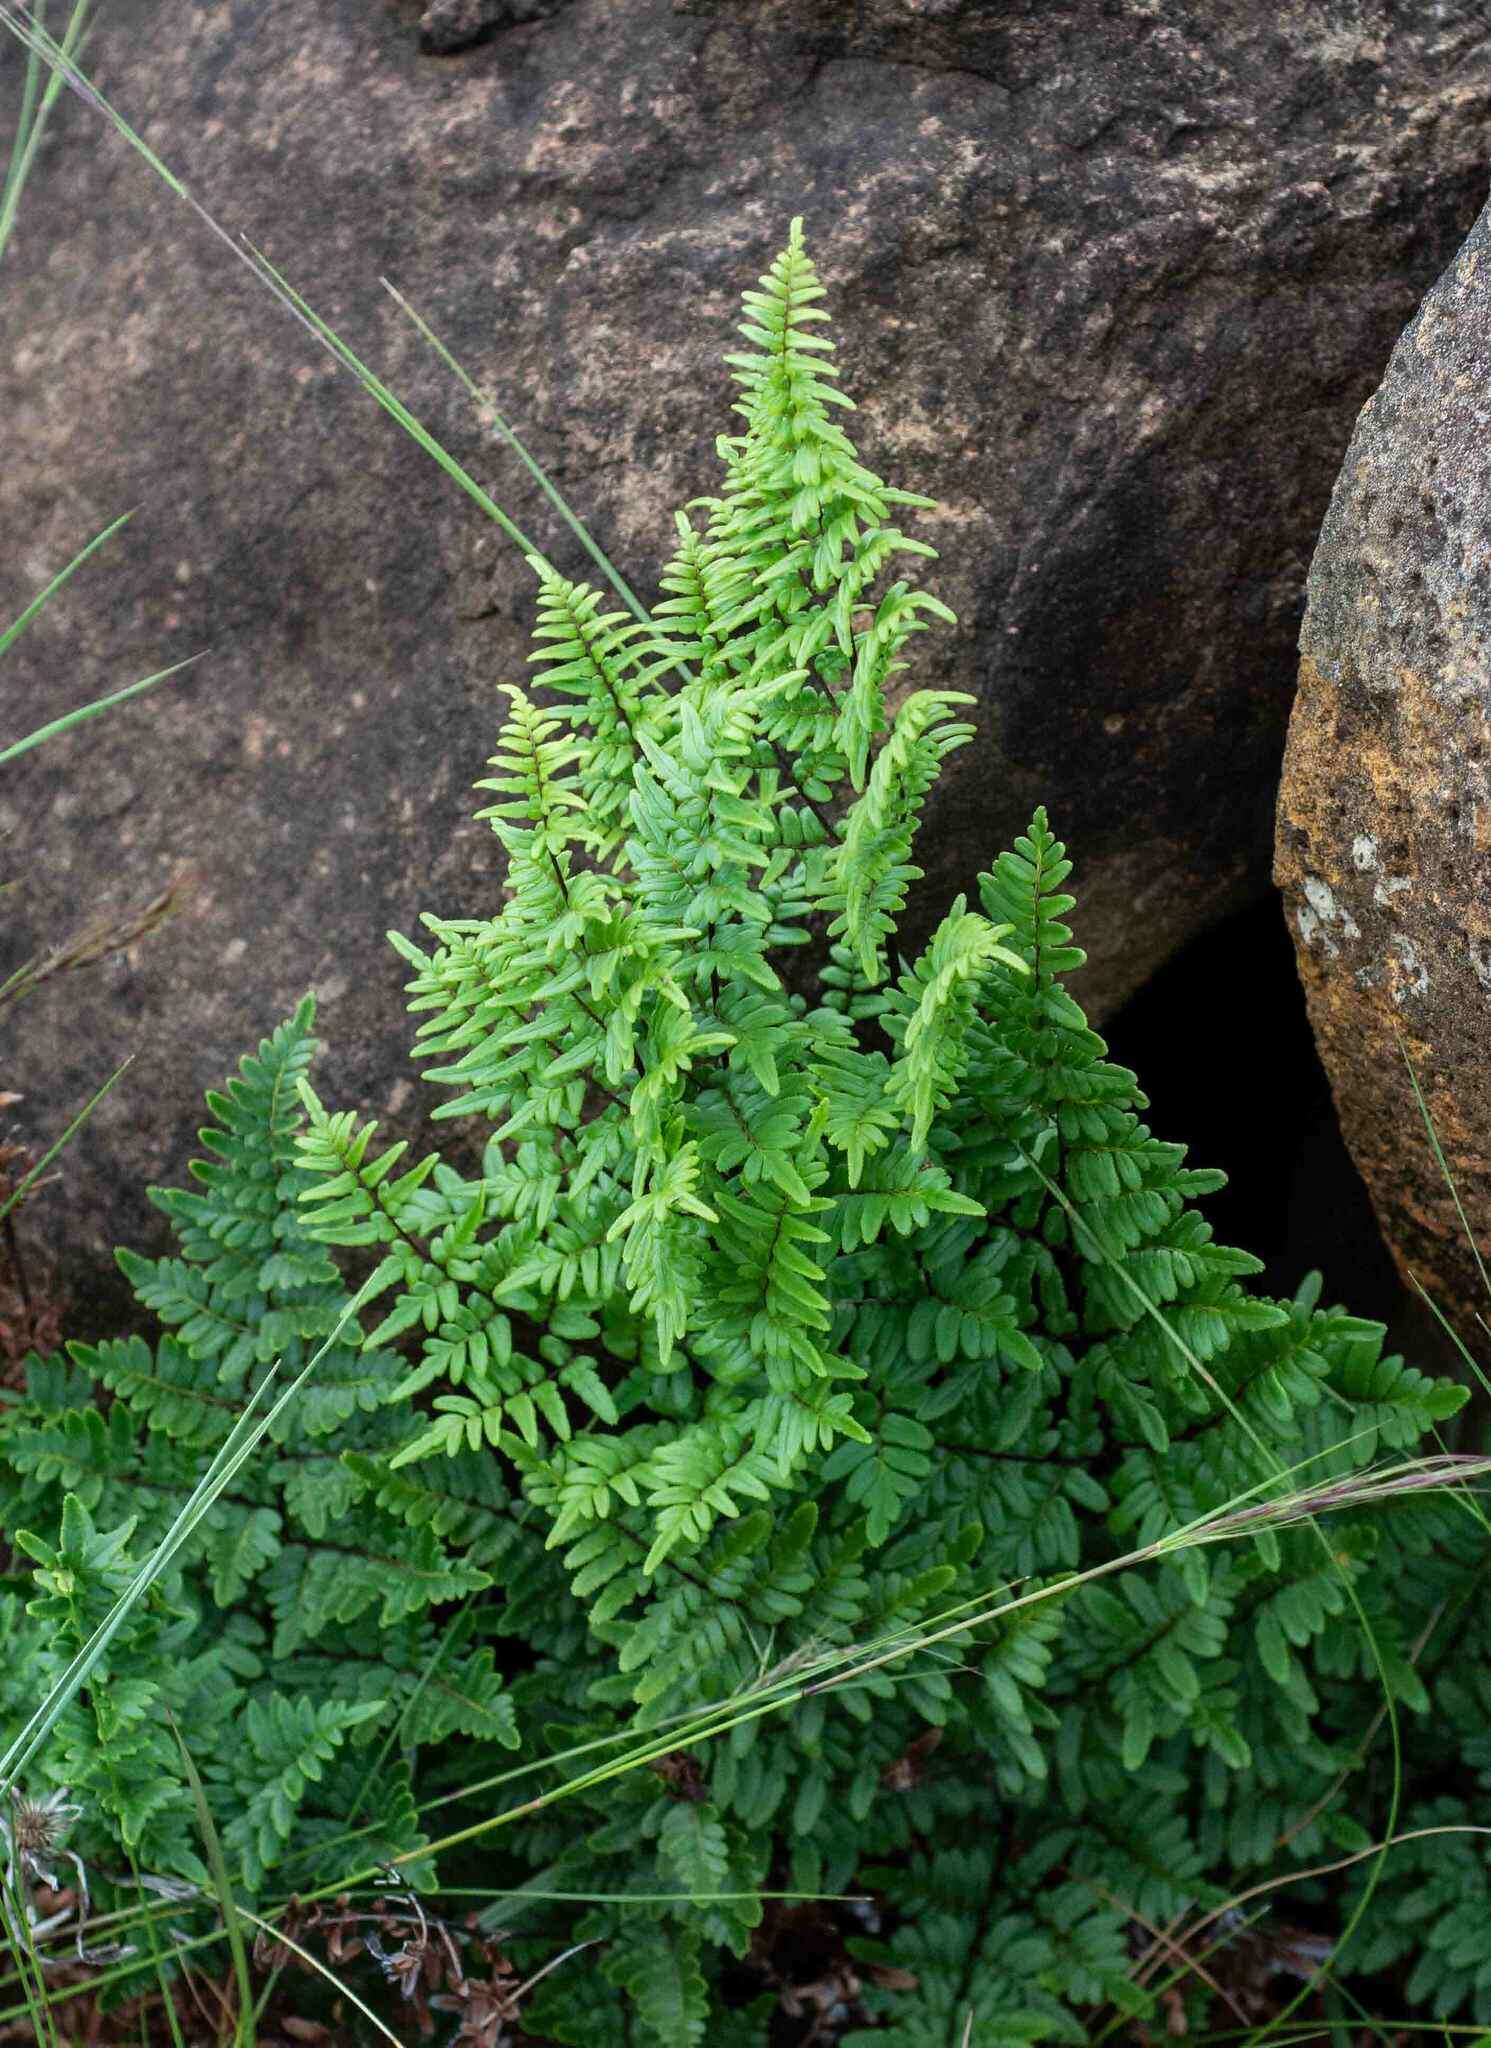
{"type": "Point", "coordinates": [1111, 279]}
{"type": "Point", "coordinates": [1384, 833]}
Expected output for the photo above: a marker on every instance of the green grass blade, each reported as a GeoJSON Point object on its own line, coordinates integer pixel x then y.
{"type": "Point", "coordinates": [16, 169]}
{"type": "Point", "coordinates": [447, 1639]}
{"type": "Point", "coordinates": [158, 1962]}
{"type": "Point", "coordinates": [1444, 1167]}
{"type": "Point", "coordinates": [65, 723]}
{"type": "Point", "coordinates": [85, 711]}
{"type": "Point", "coordinates": [33, 119]}
{"type": "Point", "coordinates": [535, 469]}
{"type": "Point", "coordinates": [38, 41]}
{"type": "Point", "coordinates": [13, 632]}
{"type": "Point", "coordinates": [314, 1963]}
{"type": "Point", "coordinates": [234, 1452]}
{"type": "Point", "coordinates": [394, 406]}
{"type": "Point", "coordinates": [18, 1192]}
{"type": "Point", "coordinates": [29, 31]}
{"type": "Point", "coordinates": [29, 1972]}
{"type": "Point", "coordinates": [222, 1886]}
{"type": "Point", "coordinates": [1472, 1365]}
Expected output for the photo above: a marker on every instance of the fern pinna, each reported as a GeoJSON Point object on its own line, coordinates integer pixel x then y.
{"type": "Point", "coordinates": [805, 1296]}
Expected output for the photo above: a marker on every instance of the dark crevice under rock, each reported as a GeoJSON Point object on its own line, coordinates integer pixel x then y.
{"type": "Point", "coordinates": [1221, 1041]}
{"type": "Point", "coordinates": [1222, 1047]}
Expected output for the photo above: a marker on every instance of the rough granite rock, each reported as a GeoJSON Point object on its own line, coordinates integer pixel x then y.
{"type": "Point", "coordinates": [1111, 276]}
{"type": "Point", "coordinates": [1384, 832]}
{"type": "Point", "coordinates": [448, 26]}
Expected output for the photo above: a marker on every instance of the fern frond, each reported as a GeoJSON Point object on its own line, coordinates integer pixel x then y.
{"type": "Point", "coordinates": [938, 1004]}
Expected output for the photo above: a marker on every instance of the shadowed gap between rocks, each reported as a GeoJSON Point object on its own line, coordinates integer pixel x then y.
{"type": "Point", "coordinates": [1223, 1049]}
{"type": "Point", "coordinates": [1222, 1045]}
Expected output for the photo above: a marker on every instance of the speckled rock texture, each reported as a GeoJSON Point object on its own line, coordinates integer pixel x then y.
{"type": "Point", "coordinates": [1111, 278]}
{"type": "Point", "coordinates": [1384, 831]}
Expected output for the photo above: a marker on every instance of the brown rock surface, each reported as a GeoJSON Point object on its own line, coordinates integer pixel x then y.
{"type": "Point", "coordinates": [1384, 835]}
{"type": "Point", "coordinates": [1111, 279]}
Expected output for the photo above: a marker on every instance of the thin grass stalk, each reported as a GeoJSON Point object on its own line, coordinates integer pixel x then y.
{"type": "Point", "coordinates": [34, 114]}
{"type": "Point", "coordinates": [1288, 1877]}
{"type": "Point", "coordinates": [222, 1885]}
{"type": "Point", "coordinates": [16, 1922]}
{"type": "Point", "coordinates": [37, 40]}
{"type": "Point", "coordinates": [1444, 1166]}
{"type": "Point", "coordinates": [488, 410]}
{"type": "Point", "coordinates": [117, 1973]}
{"type": "Point", "coordinates": [387, 1744]}
{"type": "Point", "coordinates": [1270, 1457]}
{"type": "Point", "coordinates": [29, 1180]}
{"type": "Point", "coordinates": [313, 1962]}
{"type": "Point", "coordinates": [57, 726]}
{"type": "Point", "coordinates": [15, 170]}
{"type": "Point", "coordinates": [157, 1964]}
{"type": "Point", "coordinates": [1219, 1527]}
{"type": "Point", "coordinates": [234, 1452]}
{"type": "Point", "coordinates": [843, 1669]}
{"type": "Point", "coordinates": [17, 627]}
{"type": "Point", "coordinates": [1309, 2034]}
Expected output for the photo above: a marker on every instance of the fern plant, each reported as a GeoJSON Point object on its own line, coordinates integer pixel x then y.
{"type": "Point", "coordinates": [805, 1292]}
{"type": "Point", "coordinates": [303, 1619]}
